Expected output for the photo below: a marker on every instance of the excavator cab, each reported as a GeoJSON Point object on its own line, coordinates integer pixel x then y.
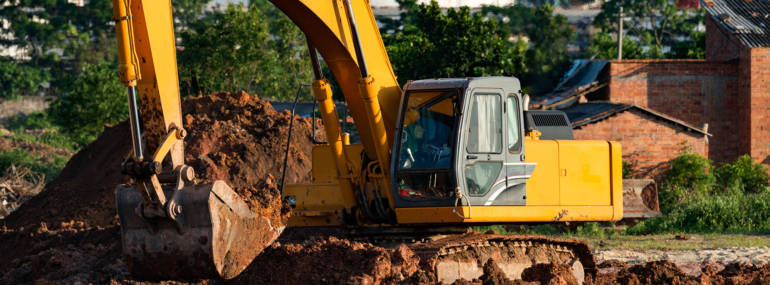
{"type": "Point", "coordinates": [460, 137]}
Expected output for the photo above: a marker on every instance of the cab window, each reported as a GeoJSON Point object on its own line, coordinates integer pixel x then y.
{"type": "Point", "coordinates": [514, 130]}
{"type": "Point", "coordinates": [485, 124]}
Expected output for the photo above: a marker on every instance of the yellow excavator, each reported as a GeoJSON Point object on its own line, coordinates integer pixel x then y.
{"type": "Point", "coordinates": [435, 154]}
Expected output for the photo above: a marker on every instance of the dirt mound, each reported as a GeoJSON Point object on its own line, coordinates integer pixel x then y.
{"type": "Point", "coordinates": [70, 255]}
{"type": "Point", "coordinates": [665, 272]}
{"type": "Point", "coordinates": [331, 261]}
{"type": "Point", "coordinates": [233, 137]}
{"type": "Point", "coordinates": [240, 139]}
{"type": "Point", "coordinates": [83, 191]}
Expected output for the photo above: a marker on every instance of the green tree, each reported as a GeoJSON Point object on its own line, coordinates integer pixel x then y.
{"type": "Point", "coordinates": [548, 36]}
{"type": "Point", "coordinates": [97, 98]}
{"type": "Point", "coordinates": [453, 44]}
{"type": "Point", "coordinates": [244, 48]}
{"type": "Point", "coordinates": [603, 45]}
{"type": "Point", "coordinates": [58, 36]}
{"type": "Point", "coordinates": [662, 28]}
{"type": "Point", "coordinates": [20, 79]}
{"type": "Point", "coordinates": [186, 12]}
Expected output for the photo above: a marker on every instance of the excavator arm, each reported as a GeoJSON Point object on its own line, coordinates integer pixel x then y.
{"type": "Point", "coordinates": [176, 229]}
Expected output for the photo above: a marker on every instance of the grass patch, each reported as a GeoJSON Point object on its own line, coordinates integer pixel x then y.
{"type": "Point", "coordinates": [48, 134]}
{"type": "Point", "coordinates": [50, 165]}
{"type": "Point", "coordinates": [668, 242]}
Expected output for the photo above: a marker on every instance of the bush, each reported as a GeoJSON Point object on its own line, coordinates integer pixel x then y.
{"type": "Point", "coordinates": [743, 175]}
{"type": "Point", "coordinates": [732, 198]}
{"type": "Point", "coordinates": [18, 79]}
{"type": "Point", "coordinates": [736, 213]}
{"type": "Point", "coordinates": [97, 98]}
{"type": "Point", "coordinates": [691, 175]}
{"type": "Point", "coordinates": [33, 121]}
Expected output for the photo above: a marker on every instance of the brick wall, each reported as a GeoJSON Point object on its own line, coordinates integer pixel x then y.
{"type": "Point", "coordinates": [648, 142]}
{"type": "Point", "coordinates": [757, 73]}
{"type": "Point", "coordinates": [694, 91]}
{"type": "Point", "coordinates": [720, 45]}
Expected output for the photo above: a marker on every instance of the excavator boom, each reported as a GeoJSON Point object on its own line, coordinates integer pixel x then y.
{"type": "Point", "coordinates": [174, 228]}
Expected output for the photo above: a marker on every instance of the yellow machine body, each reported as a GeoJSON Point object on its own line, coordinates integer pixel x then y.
{"type": "Point", "coordinates": [573, 181]}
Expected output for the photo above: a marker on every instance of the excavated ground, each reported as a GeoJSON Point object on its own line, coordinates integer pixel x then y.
{"type": "Point", "coordinates": [69, 233]}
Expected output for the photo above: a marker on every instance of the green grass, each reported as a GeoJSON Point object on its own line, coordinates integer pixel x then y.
{"type": "Point", "coordinates": [51, 138]}
{"type": "Point", "coordinates": [603, 236]}
{"type": "Point", "coordinates": [668, 242]}
{"type": "Point", "coordinates": [50, 165]}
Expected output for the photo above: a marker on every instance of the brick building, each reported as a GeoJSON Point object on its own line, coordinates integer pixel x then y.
{"type": "Point", "coordinates": [719, 106]}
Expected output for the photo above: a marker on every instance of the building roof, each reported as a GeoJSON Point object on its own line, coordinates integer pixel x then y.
{"type": "Point", "coordinates": [747, 20]}
{"type": "Point", "coordinates": [587, 113]}
{"type": "Point", "coordinates": [581, 79]}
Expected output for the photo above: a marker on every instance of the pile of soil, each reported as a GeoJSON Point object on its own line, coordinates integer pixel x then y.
{"type": "Point", "coordinates": [665, 272]}
{"type": "Point", "coordinates": [233, 137]}
{"type": "Point", "coordinates": [331, 260]}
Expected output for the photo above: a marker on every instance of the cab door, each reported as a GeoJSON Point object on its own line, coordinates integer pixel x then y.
{"type": "Point", "coordinates": [482, 153]}
{"type": "Point", "coordinates": [517, 170]}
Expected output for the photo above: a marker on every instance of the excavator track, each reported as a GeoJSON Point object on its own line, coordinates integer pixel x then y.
{"type": "Point", "coordinates": [462, 256]}
{"type": "Point", "coordinates": [453, 253]}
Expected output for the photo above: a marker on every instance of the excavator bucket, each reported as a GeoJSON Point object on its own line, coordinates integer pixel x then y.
{"type": "Point", "coordinates": [640, 199]}
{"type": "Point", "coordinates": [216, 235]}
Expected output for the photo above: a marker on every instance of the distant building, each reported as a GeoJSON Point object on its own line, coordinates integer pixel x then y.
{"type": "Point", "coordinates": [719, 106]}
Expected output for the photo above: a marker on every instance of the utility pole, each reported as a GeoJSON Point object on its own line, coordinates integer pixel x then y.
{"type": "Point", "coordinates": [620, 31]}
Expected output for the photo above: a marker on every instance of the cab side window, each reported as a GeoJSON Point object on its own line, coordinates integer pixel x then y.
{"type": "Point", "coordinates": [485, 128]}
{"type": "Point", "coordinates": [514, 130]}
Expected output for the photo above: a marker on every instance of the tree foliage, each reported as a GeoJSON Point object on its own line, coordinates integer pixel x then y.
{"type": "Point", "coordinates": [663, 28]}
{"type": "Point", "coordinates": [431, 44]}
{"type": "Point", "coordinates": [253, 48]}
{"type": "Point", "coordinates": [603, 45]}
{"type": "Point", "coordinates": [97, 98]}
{"type": "Point", "coordinates": [547, 35]}
{"type": "Point", "coordinates": [20, 79]}
{"type": "Point", "coordinates": [186, 12]}
{"type": "Point", "coordinates": [58, 37]}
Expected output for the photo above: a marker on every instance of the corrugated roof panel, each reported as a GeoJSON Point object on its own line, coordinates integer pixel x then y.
{"type": "Point", "coordinates": [748, 20]}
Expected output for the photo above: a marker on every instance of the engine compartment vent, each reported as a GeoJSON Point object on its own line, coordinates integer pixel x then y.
{"type": "Point", "coordinates": [553, 124]}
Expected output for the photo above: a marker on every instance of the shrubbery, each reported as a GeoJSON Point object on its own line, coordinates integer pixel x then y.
{"type": "Point", "coordinates": [690, 175]}
{"type": "Point", "coordinates": [736, 213]}
{"type": "Point", "coordinates": [97, 98]}
{"type": "Point", "coordinates": [698, 197]}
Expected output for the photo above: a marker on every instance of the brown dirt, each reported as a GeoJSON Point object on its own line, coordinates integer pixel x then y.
{"type": "Point", "coordinates": [330, 261]}
{"type": "Point", "coordinates": [664, 272]}
{"type": "Point", "coordinates": [234, 137]}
